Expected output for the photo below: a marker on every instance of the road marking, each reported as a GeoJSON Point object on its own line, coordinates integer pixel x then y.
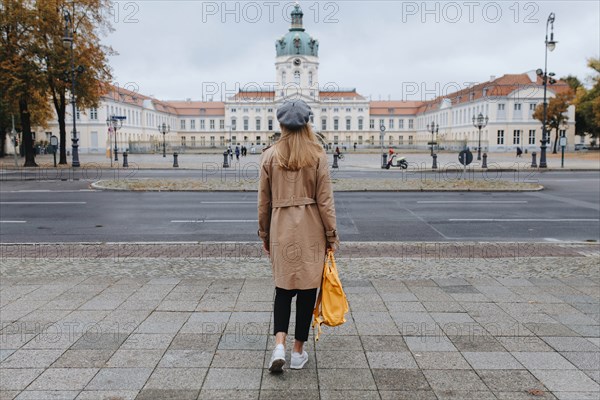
{"type": "Point", "coordinates": [53, 191]}
{"type": "Point", "coordinates": [523, 220]}
{"type": "Point", "coordinates": [192, 221]}
{"type": "Point", "coordinates": [473, 202]}
{"type": "Point", "coordinates": [12, 222]}
{"type": "Point", "coordinates": [228, 202]}
{"type": "Point", "coordinates": [41, 202]}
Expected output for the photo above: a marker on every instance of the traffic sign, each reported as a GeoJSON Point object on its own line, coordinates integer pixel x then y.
{"type": "Point", "coordinates": [465, 157]}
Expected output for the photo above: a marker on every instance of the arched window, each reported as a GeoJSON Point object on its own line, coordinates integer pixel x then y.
{"type": "Point", "coordinates": [283, 77]}
{"type": "Point", "coordinates": [297, 77]}
{"type": "Point", "coordinates": [310, 78]}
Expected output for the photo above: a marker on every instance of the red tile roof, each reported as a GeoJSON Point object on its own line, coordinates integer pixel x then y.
{"type": "Point", "coordinates": [394, 107]}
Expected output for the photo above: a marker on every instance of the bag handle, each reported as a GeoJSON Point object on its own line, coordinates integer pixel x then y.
{"type": "Point", "coordinates": [329, 260]}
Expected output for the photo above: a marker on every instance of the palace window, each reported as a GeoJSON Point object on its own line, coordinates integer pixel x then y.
{"type": "Point", "coordinates": [400, 124]}
{"type": "Point", "coordinates": [336, 123]}
{"type": "Point", "coordinates": [517, 106]}
{"type": "Point", "coordinates": [212, 141]}
{"type": "Point", "coordinates": [270, 124]}
{"type": "Point", "coordinates": [410, 140]}
{"type": "Point", "coordinates": [258, 124]}
{"type": "Point", "coordinates": [192, 124]}
{"type": "Point", "coordinates": [221, 141]}
{"type": "Point", "coordinates": [516, 136]}
{"type": "Point", "coordinates": [202, 125]}
{"type": "Point", "coordinates": [391, 140]}
{"type": "Point", "coordinates": [193, 141]}
{"type": "Point", "coordinates": [410, 125]}
{"type": "Point", "coordinates": [93, 114]}
{"type": "Point", "coordinates": [183, 141]}
{"type": "Point", "coordinates": [500, 139]}
{"type": "Point", "coordinates": [310, 78]}
{"type": "Point", "coordinates": [501, 107]}
{"type": "Point", "coordinates": [323, 124]}
{"type": "Point", "coordinates": [336, 139]}
{"type": "Point", "coordinates": [183, 124]}
{"type": "Point", "coordinates": [532, 136]}
{"type": "Point", "coordinates": [348, 109]}
{"type": "Point", "coordinates": [391, 123]}
{"type": "Point", "coordinates": [360, 124]}
{"type": "Point", "coordinates": [221, 124]}
{"type": "Point", "coordinates": [233, 124]}
{"type": "Point", "coordinates": [297, 77]}
{"type": "Point", "coordinates": [360, 140]}
{"type": "Point", "coordinates": [371, 124]}
{"type": "Point", "coordinates": [401, 140]}
{"type": "Point", "coordinates": [348, 124]}
{"type": "Point", "coordinates": [246, 124]}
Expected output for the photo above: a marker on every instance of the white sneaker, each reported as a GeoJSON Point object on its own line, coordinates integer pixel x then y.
{"type": "Point", "coordinates": [298, 360]}
{"type": "Point", "coordinates": [277, 359]}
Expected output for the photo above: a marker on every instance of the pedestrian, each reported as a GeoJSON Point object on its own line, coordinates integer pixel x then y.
{"type": "Point", "coordinates": [519, 152]}
{"type": "Point", "coordinates": [354, 146]}
{"type": "Point", "coordinates": [297, 224]}
{"type": "Point", "coordinates": [237, 153]}
{"type": "Point", "coordinates": [230, 152]}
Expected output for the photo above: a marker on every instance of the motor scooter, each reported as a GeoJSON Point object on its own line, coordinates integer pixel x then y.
{"type": "Point", "coordinates": [400, 162]}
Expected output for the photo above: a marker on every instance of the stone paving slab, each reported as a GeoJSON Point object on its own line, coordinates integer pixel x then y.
{"type": "Point", "coordinates": [418, 328]}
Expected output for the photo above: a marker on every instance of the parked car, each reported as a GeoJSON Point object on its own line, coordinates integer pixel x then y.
{"type": "Point", "coordinates": [581, 146]}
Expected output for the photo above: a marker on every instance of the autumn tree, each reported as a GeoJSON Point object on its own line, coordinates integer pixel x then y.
{"type": "Point", "coordinates": [555, 114]}
{"type": "Point", "coordinates": [89, 19]}
{"type": "Point", "coordinates": [23, 86]}
{"type": "Point", "coordinates": [587, 103]}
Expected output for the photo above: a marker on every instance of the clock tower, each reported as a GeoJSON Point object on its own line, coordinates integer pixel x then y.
{"type": "Point", "coordinates": [297, 62]}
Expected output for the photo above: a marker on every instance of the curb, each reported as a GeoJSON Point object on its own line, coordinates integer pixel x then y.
{"type": "Point", "coordinates": [97, 186]}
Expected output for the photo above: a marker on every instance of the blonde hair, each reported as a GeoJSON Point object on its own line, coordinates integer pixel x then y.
{"type": "Point", "coordinates": [297, 149]}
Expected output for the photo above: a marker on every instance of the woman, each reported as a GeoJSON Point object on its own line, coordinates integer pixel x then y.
{"type": "Point", "coordinates": [296, 220]}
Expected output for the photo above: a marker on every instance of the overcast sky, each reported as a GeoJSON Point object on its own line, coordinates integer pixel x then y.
{"type": "Point", "coordinates": [184, 49]}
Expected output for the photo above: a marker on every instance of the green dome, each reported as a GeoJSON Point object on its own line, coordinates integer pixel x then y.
{"type": "Point", "coordinates": [296, 41]}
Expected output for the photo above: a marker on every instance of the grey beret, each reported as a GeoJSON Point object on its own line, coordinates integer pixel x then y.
{"type": "Point", "coordinates": [294, 114]}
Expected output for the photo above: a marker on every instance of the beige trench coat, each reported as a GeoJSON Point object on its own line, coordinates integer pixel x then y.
{"type": "Point", "coordinates": [296, 218]}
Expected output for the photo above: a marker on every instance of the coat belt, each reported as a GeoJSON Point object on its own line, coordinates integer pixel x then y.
{"type": "Point", "coordinates": [293, 201]}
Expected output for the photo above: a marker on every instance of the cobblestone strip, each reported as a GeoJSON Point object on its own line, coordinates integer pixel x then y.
{"type": "Point", "coordinates": [252, 251]}
{"type": "Point", "coordinates": [359, 268]}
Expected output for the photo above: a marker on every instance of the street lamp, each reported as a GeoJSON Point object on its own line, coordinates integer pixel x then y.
{"type": "Point", "coordinates": [479, 122]}
{"type": "Point", "coordinates": [433, 128]}
{"type": "Point", "coordinates": [164, 129]}
{"type": "Point", "coordinates": [114, 123]}
{"type": "Point", "coordinates": [383, 155]}
{"type": "Point", "coordinates": [546, 78]}
{"type": "Point", "coordinates": [68, 41]}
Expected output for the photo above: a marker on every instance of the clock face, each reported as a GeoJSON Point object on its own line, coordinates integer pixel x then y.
{"type": "Point", "coordinates": [297, 61]}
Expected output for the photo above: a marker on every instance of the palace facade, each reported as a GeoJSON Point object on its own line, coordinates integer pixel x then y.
{"type": "Point", "coordinates": [342, 117]}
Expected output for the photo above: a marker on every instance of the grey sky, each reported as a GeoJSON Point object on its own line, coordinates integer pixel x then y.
{"type": "Point", "coordinates": [184, 49]}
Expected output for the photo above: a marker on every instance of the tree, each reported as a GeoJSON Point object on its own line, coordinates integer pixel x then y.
{"type": "Point", "coordinates": [89, 17]}
{"type": "Point", "coordinates": [20, 72]}
{"type": "Point", "coordinates": [34, 64]}
{"type": "Point", "coordinates": [555, 114]}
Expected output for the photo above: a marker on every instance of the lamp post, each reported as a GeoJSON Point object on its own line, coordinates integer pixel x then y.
{"type": "Point", "coordinates": [383, 155]}
{"type": "Point", "coordinates": [479, 122]}
{"type": "Point", "coordinates": [433, 128]}
{"type": "Point", "coordinates": [110, 135]}
{"type": "Point", "coordinates": [164, 129]}
{"type": "Point", "coordinates": [546, 78]}
{"type": "Point", "coordinates": [114, 123]}
{"type": "Point", "coordinates": [68, 41]}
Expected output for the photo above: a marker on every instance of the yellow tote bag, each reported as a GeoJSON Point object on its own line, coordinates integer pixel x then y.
{"type": "Point", "coordinates": [332, 303]}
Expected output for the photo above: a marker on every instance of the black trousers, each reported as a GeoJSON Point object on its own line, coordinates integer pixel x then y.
{"type": "Point", "coordinates": [305, 304]}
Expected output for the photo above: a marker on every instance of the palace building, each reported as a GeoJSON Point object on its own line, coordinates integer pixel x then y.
{"type": "Point", "coordinates": [342, 117]}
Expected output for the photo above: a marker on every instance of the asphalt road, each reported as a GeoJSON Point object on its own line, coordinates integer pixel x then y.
{"type": "Point", "coordinates": [68, 211]}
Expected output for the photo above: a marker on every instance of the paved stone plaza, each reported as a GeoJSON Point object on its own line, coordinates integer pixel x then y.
{"type": "Point", "coordinates": [437, 321]}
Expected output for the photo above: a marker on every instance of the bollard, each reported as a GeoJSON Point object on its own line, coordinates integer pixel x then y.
{"type": "Point", "coordinates": [383, 160]}
{"type": "Point", "coordinates": [484, 164]}
{"type": "Point", "coordinates": [225, 160]}
{"type": "Point", "coordinates": [175, 163]}
{"type": "Point", "coordinates": [125, 163]}
{"type": "Point", "coordinates": [434, 166]}
{"type": "Point", "coordinates": [335, 161]}
{"type": "Point", "coordinates": [533, 161]}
